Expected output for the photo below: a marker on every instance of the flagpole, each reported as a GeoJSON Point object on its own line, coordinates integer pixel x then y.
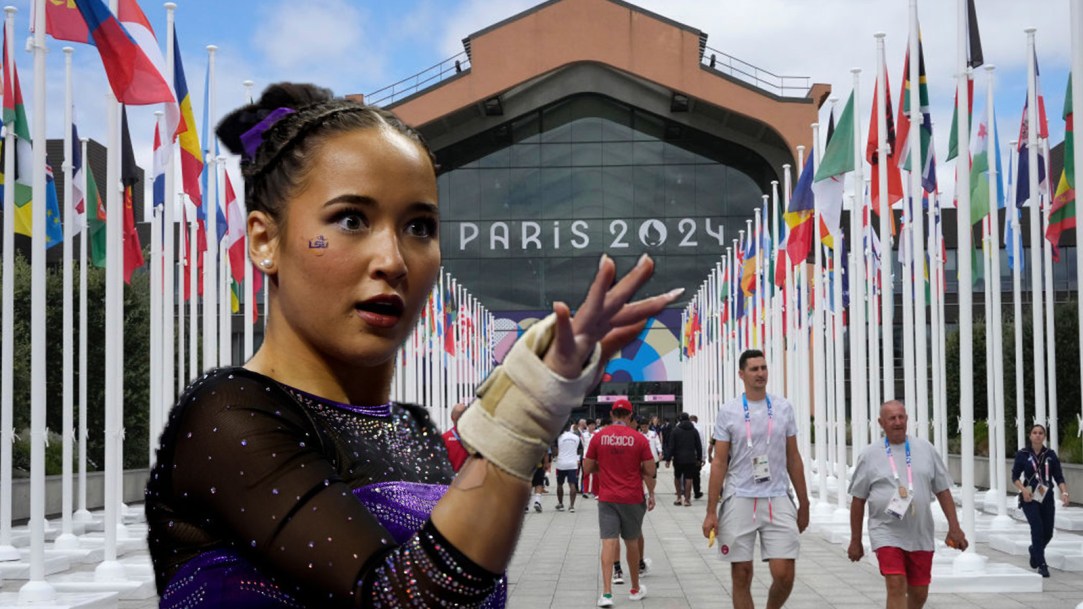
{"type": "Point", "coordinates": [225, 279]}
{"type": "Point", "coordinates": [169, 318]}
{"type": "Point", "coordinates": [1038, 360]}
{"type": "Point", "coordinates": [37, 590]}
{"type": "Point", "coordinates": [249, 273]}
{"type": "Point", "coordinates": [871, 326]}
{"type": "Point", "coordinates": [155, 414]}
{"type": "Point", "coordinates": [859, 360]}
{"type": "Point", "coordinates": [818, 342]}
{"type": "Point", "coordinates": [1002, 517]}
{"type": "Point", "coordinates": [210, 255]}
{"type": "Point", "coordinates": [1017, 302]}
{"type": "Point", "coordinates": [181, 267]}
{"type": "Point", "coordinates": [83, 514]}
{"type": "Point", "coordinates": [7, 336]}
{"type": "Point", "coordinates": [193, 298]}
{"type": "Point", "coordinates": [1053, 435]}
{"type": "Point", "coordinates": [887, 298]}
{"type": "Point", "coordinates": [67, 539]}
{"type": "Point", "coordinates": [966, 294]}
{"type": "Point", "coordinates": [917, 164]}
{"type": "Point", "coordinates": [1076, 13]}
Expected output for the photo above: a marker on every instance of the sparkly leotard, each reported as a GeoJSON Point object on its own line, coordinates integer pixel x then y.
{"type": "Point", "coordinates": [266, 496]}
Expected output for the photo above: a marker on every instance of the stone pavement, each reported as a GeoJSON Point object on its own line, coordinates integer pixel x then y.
{"type": "Point", "coordinates": [556, 566]}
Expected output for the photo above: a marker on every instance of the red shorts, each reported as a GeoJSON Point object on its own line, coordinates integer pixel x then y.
{"type": "Point", "coordinates": [916, 566]}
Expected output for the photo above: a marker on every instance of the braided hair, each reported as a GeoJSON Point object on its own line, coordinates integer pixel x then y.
{"type": "Point", "coordinates": [281, 162]}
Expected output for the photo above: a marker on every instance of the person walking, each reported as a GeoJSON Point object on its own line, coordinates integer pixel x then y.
{"type": "Point", "coordinates": [685, 452]}
{"type": "Point", "coordinates": [567, 466]}
{"type": "Point", "coordinates": [624, 464]}
{"type": "Point", "coordinates": [1035, 471]}
{"type": "Point", "coordinates": [898, 479]}
{"type": "Point", "coordinates": [755, 460]}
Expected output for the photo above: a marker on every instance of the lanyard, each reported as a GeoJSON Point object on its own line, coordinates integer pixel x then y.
{"type": "Point", "coordinates": [895, 469]}
{"type": "Point", "coordinates": [1036, 471]}
{"type": "Point", "coordinates": [748, 420]}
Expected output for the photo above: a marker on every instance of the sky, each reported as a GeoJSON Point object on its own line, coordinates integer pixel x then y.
{"type": "Point", "coordinates": [360, 46]}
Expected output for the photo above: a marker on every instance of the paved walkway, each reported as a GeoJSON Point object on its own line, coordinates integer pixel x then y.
{"type": "Point", "coordinates": [556, 566]}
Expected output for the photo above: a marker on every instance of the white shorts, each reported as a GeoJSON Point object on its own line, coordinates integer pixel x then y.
{"type": "Point", "coordinates": [741, 518]}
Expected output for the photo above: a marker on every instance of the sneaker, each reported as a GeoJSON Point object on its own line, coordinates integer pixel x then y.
{"type": "Point", "coordinates": [618, 577]}
{"type": "Point", "coordinates": [1043, 570]}
{"type": "Point", "coordinates": [645, 567]}
{"type": "Point", "coordinates": [699, 495]}
{"type": "Point", "coordinates": [560, 507]}
{"type": "Point", "coordinates": [537, 506]}
{"type": "Point", "coordinates": [1033, 563]}
{"type": "Point", "coordinates": [605, 600]}
{"type": "Point", "coordinates": [638, 594]}
{"type": "Point", "coordinates": [572, 509]}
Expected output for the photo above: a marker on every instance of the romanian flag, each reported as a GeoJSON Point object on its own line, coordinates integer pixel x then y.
{"type": "Point", "coordinates": [191, 153]}
{"type": "Point", "coordinates": [799, 217]}
{"type": "Point", "coordinates": [132, 74]}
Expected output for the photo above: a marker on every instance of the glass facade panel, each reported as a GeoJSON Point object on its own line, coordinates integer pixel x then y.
{"type": "Point", "coordinates": [527, 208]}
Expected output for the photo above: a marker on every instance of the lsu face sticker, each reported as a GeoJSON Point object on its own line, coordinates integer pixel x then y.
{"type": "Point", "coordinates": [318, 245]}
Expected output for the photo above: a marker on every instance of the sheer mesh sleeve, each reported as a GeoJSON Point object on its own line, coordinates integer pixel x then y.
{"type": "Point", "coordinates": [246, 459]}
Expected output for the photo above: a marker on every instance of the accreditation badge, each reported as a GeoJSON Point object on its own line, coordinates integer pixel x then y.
{"type": "Point", "coordinates": [1039, 493]}
{"type": "Point", "coordinates": [761, 471]}
{"type": "Point", "coordinates": [899, 503]}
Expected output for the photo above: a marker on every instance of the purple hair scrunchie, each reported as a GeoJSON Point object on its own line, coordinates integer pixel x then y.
{"type": "Point", "coordinates": [252, 138]}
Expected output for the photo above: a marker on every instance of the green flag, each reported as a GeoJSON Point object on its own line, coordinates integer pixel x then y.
{"type": "Point", "coordinates": [96, 220]}
{"type": "Point", "coordinates": [979, 170]}
{"type": "Point", "coordinates": [839, 154]}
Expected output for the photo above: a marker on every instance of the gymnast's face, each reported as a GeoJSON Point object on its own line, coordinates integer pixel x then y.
{"type": "Point", "coordinates": [359, 251]}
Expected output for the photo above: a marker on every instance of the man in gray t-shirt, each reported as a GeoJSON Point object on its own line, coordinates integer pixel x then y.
{"type": "Point", "coordinates": [898, 478]}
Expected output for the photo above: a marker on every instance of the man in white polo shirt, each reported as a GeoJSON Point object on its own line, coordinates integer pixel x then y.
{"type": "Point", "coordinates": [755, 460]}
{"type": "Point", "coordinates": [567, 466]}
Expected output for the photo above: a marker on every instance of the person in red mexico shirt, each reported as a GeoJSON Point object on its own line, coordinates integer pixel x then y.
{"type": "Point", "coordinates": [622, 458]}
{"type": "Point", "coordinates": [455, 451]}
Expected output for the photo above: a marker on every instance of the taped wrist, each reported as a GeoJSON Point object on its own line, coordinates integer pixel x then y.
{"type": "Point", "coordinates": [523, 404]}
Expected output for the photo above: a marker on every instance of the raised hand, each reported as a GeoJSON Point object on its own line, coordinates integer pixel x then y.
{"type": "Point", "coordinates": [605, 317]}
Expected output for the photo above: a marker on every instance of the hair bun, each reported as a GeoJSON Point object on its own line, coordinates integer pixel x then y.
{"type": "Point", "coordinates": [278, 95]}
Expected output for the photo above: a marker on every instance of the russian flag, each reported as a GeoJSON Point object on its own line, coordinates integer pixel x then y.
{"type": "Point", "coordinates": [134, 78]}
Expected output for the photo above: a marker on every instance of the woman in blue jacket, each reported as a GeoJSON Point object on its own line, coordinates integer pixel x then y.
{"type": "Point", "coordinates": [1034, 473]}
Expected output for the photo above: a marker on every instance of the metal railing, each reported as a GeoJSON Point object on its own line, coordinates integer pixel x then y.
{"type": "Point", "coordinates": [782, 86]}
{"type": "Point", "coordinates": [420, 81]}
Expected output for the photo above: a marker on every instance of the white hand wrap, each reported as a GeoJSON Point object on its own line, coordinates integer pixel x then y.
{"type": "Point", "coordinates": [523, 404]}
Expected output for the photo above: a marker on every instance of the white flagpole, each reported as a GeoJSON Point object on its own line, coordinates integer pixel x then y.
{"type": "Point", "coordinates": [249, 272]}
{"type": "Point", "coordinates": [837, 321]}
{"type": "Point", "coordinates": [887, 297]}
{"type": "Point", "coordinates": [181, 328]}
{"type": "Point", "coordinates": [225, 280]}
{"type": "Point", "coordinates": [7, 336]}
{"type": "Point", "coordinates": [1038, 360]}
{"type": "Point", "coordinates": [67, 538]}
{"type": "Point", "coordinates": [1050, 321]}
{"type": "Point", "coordinates": [859, 360]}
{"type": "Point", "coordinates": [110, 569]}
{"type": "Point", "coordinates": [966, 294]}
{"type": "Point", "coordinates": [37, 590]}
{"type": "Point", "coordinates": [917, 166]}
{"type": "Point", "coordinates": [193, 300]}
{"type": "Point", "coordinates": [169, 248]}
{"type": "Point", "coordinates": [83, 514]}
{"type": "Point", "coordinates": [1017, 306]}
{"type": "Point", "coordinates": [936, 325]}
{"type": "Point", "coordinates": [997, 323]}
{"type": "Point", "coordinates": [1076, 13]}
{"type": "Point", "coordinates": [818, 342]}
{"type": "Point", "coordinates": [872, 329]}
{"type": "Point", "coordinates": [155, 413]}
{"type": "Point", "coordinates": [210, 260]}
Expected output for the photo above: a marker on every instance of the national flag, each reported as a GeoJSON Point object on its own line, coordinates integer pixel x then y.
{"type": "Point", "coordinates": [925, 131]}
{"type": "Point", "coordinates": [974, 55]}
{"type": "Point", "coordinates": [78, 183]}
{"type": "Point", "coordinates": [132, 74]}
{"type": "Point", "coordinates": [191, 156]}
{"type": "Point", "coordinates": [800, 215]}
{"type": "Point", "coordinates": [450, 311]}
{"type": "Point", "coordinates": [979, 171]}
{"type": "Point", "coordinates": [129, 177]}
{"type": "Point", "coordinates": [96, 222]}
{"type": "Point", "coordinates": [837, 161]}
{"type": "Point", "coordinates": [953, 135]}
{"type": "Point", "coordinates": [1022, 182]}
{"type": "Point", "coordinates": [1062, 213]}
{"type": "Point", "coordinates": [749, 266]}
{"type": "Point", "coordinates": [138, 26]}
{"type": "Point", "coordinates": [63, 21]}
{"type": "Point", "coordinates": [872, 155]}
{"type": "Point", "coordinates": [14, 117]}
{"type": "Point", "coordinates": [235, 242]}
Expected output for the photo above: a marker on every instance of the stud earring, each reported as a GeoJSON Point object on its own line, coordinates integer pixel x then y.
{"type": "Point", "coordinates": [265, 263]}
